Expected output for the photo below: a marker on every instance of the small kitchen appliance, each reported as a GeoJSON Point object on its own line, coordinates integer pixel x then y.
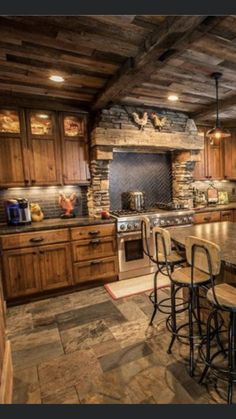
{"type": "Point", "coordinates": [18, 211]}
{"type": "Point", "coordinates": [133, 200]}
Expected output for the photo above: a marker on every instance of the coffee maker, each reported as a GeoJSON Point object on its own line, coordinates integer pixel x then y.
{"type": "Point", "coordinates": [18, 211]}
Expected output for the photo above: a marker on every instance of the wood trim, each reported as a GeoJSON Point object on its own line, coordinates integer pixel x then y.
{"type": "Point", "coordinates": [6, 380]}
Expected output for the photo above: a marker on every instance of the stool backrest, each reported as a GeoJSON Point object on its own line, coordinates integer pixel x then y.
{"type": "Point", "coordinates": [203, 254]}
{"type": "Point", "coordinates": [162, 241]}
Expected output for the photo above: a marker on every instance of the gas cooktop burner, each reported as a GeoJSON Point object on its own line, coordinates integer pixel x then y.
{"type": "Point", "coordinates": [121, 213]}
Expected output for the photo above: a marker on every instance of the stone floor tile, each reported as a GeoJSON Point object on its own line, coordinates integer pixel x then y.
{"type": "Point", "coordinates": [26, 386]}
{"type": "Point", "coordinates": [65, 396]}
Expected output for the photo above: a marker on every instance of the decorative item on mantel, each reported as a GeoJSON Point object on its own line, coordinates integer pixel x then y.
{"type": "Point", "coordinates": [191, 127]}
{"type": "Point", "coordinates": [141, 121]}
{"type": "Point", "coordinates": [158, 122]}
{"type": "Point", "coordinates": [67, 204]}
{"type": "Point", "coordinates": [36, 212]}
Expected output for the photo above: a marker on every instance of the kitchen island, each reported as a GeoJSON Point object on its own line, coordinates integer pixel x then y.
{"type": "Point", "coordinates": [221, 233]}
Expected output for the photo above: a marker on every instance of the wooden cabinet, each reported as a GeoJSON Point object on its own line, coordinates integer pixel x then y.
{"type": "Point", "coordinates": [206, 217]}
{"type": "Point", "coordinates": [230, 156]}
{"type": "Point", "coordinates": [211, 164]}
{"type": "Point", "coordinates": [94, 253]}
{"type": "Point", "coordinates": [74, 149]}
{"type": "Point", "coordinates": [14, 170]}
{"type": "Point", "coordinates": [42, 148]}
{"type": "Point", "coordinates": [21, 272]}
{"type": "Point", "coordinates": [31, 267]}
{"type": "Point", "coordinates": [55, 266]}
{"type": "Point", "coordinates": [227, 215]}
{"type": "Point", "coordinates": [45, 165]}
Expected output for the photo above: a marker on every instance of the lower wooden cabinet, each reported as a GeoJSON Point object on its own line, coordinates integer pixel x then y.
{"type": "Point", "coordinates": [95, 270]}
{"type": "Point", "coordinates": [21, 272]}
{"type": "Point", "coordinates": [94, 249]}
{"type": "Point", "coordinates": [55, 266]}
{"type": "Point", "coordinates": [206, 217]}
{"type": "Point", "coordinates": [31, 270]}
{"type": "Point", "coordinates": [227, 215]}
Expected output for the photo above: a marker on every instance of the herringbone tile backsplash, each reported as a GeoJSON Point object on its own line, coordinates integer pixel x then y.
{"type": "Point", "coordinates": [149, 173]}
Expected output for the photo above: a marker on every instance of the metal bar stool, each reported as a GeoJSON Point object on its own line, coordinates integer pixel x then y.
{"type": "Point", "coordinates": [222, 297]}
{"type": "Point", "coordinates": [204, 260]}
{"type": "Point", "coordinates": [165, 259]}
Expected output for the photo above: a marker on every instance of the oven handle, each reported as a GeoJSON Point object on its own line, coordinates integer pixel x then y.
{"type": "Point", "coordinates": [131, 235]}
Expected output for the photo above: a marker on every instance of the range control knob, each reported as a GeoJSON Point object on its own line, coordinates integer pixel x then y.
{"type": "Point", "coordinates": [155, 223]}
{"type": "Point", "coordinates": [129, 226]}
{"type": "Point", "coordinates": [136, 226]}
{"type": "Point", "coordinates": [162, 222]}
{"type": "Point", "coordinates": [122, 227]}
{"type": "Point", "coordinates": [190, 219]}
{"type": "Point", "coordinates": [185, 220]}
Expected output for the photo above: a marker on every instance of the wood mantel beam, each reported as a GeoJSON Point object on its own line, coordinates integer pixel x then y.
{"type": "Point", "coordinates": [171, 37]}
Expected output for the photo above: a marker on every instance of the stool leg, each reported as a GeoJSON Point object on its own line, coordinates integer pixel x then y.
{"type": "Point", "coordinates": [232, 355]}
{"type": "Point", "coordinates": [217, 333]}
{"type": "Point", "coordinates": [191, 342]}
{"type": "Point", "coordinates": [208, 346]}
{"type": "Point", "coordinates": [173, 318]}
{"type": "Point", "coordinates": [198, 312]}
{"type": "Point", "coordinates": [230, 358]}
{"type": "Point", "coordinates": [155, 298]}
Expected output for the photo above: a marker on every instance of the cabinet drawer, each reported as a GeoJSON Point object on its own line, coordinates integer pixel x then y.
{"type": "Point", "coordinates": [97, 269]}
{"type": "Point", "coordinates": [94, 248]}
{"type": "Point", "coordinates": [88, 232]}
{"type": "Point", "coordinates": [227, 215]}
{"type": "Point", "coordinates": [12, 241]}
{"type": "Point", "coordinates": [207, 217]}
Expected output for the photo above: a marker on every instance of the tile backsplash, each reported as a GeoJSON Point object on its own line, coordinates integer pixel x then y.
{"type": "Point", "coordinates": [226, 186]}
{"type": "Point", "coordinates": [47, 198]}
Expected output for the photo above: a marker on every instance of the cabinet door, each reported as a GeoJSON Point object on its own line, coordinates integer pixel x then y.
{"type": "Point", "coordinates": [74, 149]}
{"type": "Point", "coordinates": [55, 266]}
{"type": "Point", "coordinates": [230, 156]}
{"type": "Point", "coordinates": [200, 167]}
{"type": "Point", "coordinates": [13, 150]}
{"type": "Point", "coordinates": [227, 215]}
{"type": "Point", "coordinates": [2, 330]}
{"type": "Point", "coordinates": [44, 148]}
{"type": "Point", "coordinates": [215, 160]}
{"type": "Point", "coordinates": [21, 272]}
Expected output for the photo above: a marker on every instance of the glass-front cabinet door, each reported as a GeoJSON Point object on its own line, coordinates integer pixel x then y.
{"type": "Point", "coordinates": [44, 148]}
{"type": "Point", "coordinates": [74, 149]}
{"type": "Point", "coordinates": [14, 170]}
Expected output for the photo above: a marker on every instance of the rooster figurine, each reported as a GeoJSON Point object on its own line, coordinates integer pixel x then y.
{"type": "Point", "coordinates": [158, 123]}
{"type": "Point", "coordinates": [67, 204]}
{"type": "Point", "coordinates": [140, 121]}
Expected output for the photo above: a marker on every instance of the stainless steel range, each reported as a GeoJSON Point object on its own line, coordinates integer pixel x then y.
{"type": "Point", "coordinates": [132, 261]}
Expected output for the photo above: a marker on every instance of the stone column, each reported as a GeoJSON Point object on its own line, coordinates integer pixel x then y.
{"type": "Point", "coordinates": [98, 192]}
{"type": "Point", "coordinates": [183, 164]}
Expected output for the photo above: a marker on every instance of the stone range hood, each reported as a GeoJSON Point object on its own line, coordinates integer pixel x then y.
{"type": "Point", "coordinates": [115, 131]}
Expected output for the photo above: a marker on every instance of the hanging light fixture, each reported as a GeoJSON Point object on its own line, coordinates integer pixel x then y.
{"type": "Point", "coordinates": [217, 132]}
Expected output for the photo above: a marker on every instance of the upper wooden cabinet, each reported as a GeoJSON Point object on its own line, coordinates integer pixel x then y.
{"type": "Point", "coordinates": [14, 170]}
{"type": "Point", "coordinates": [44, 146]}
{"type": "Point", "coordinates": [211, 164]}
{"type": "Point", "coordinates": [230, 156]}
{"type": "Point", "coordinates": [39, 147]}
{"type": "Point", "coordinates": [74, 149]}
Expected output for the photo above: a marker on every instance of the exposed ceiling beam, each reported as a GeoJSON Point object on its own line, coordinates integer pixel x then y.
{"type": "Point", "coordinates": [171, 37]}
{"type": "Point", "coordinates": [210, 110]}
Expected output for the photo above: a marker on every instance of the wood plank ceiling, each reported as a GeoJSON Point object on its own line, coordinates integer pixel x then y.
{"type": "Point", "coordinates": [136, 60]}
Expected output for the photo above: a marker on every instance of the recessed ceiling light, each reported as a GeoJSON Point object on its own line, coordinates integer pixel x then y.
{"type": "Point", "coordinates": [173, 98]}
{"type": "Point", "coordinates": [42, 115]}
{"type": "Point", "coordinates": [58, 79]}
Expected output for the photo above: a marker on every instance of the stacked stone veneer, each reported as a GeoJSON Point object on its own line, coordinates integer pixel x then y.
{"type": "Point", "coordinates": [98, 192]}
{"type": "Point", "coordinates": [182, 179]}
{"type": "Point", "coordinates": [104, 139]}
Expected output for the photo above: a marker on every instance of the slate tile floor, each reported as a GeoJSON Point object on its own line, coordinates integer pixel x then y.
{"type": "Point", "coordinates": [85, 347]}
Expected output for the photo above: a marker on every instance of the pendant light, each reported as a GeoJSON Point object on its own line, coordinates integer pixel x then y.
{"type": "Point", "coordinates": [217, 132]}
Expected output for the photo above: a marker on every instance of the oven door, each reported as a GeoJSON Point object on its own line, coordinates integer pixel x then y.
{"type": "Point", "coordinates": [131, 254]}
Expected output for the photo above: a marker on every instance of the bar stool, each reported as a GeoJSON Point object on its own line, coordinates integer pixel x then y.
{"type": "Point", "coordinates": [165, 258]}
{"type": "Point", "coordinates": [222, 297]}
{"type": "Point", "coordinates": [204, 260]}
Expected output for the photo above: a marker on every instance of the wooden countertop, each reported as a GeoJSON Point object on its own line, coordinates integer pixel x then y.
{"type": "Point", "coordinates": [222, 233]}
{"type": "Point", "coordinates": [54, 223]}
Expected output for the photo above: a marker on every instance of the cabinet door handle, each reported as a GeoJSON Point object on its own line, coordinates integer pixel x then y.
{"type": "Point", "coordinates": [96, 262]}
{"type": "Point", "coordinates": [207, 218]}
{"type": "Point", "coordinates": [94, 232]}
{"type": "Point", "coordinates": [95, 241]}
{"type": "Point", "coordinates": [36, 239]}
{"type": "Point", "coordinates": [26, 180]}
